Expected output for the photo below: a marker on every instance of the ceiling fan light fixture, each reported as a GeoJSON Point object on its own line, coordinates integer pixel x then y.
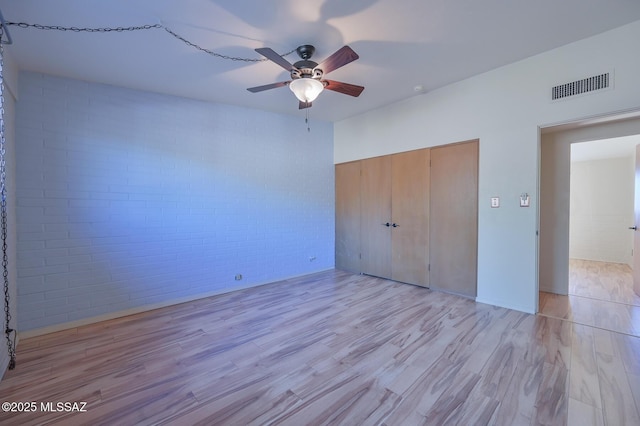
{"type": "Point", "coordinates": [307, 77]}
{"type": "Point", "coordinates": [306, 89]}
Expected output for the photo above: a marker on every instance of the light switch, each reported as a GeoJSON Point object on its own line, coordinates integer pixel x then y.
{"type": "Point", "coordinates": [524, 200]}
{"type": "Point", "coordinates": [495, 202]}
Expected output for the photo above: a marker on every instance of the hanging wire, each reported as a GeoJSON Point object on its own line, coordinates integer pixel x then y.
{"type": "Point", "coordinates": [84, 29]}
{"type": "Point", "coordinates": [140, 28]}
{"type": "Point", "coordinates": [3, 219]}
{"type": "Point", "coordinates": [5, 31]}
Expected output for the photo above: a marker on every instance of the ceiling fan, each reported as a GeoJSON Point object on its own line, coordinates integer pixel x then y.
{"type": "Point", "coordinates": [307, 76]}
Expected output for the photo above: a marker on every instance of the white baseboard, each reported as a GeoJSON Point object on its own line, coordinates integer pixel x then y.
{"type": "Point", "coordinates": [144, 308]}
{"type": "Point", "coordinates": [502, 304]}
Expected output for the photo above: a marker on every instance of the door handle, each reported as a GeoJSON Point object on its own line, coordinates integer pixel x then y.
{"type": "Point", "coordinates": [633, 227]}
{"type": "Point", "coordinates": [395, 225]}
{"type": "Point", "coordinates": [386, 224]}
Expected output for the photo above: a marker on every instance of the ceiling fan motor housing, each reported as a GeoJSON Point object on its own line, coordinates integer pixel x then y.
{"type": "Point", "coordinates": [306, 71]}
{"type": "Point", "coordinates": [306, 68]}
{"type": "Point", "coordinates": [305, 51]}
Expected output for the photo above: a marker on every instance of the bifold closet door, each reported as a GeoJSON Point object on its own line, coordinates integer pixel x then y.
{"type": "Point", "coordinates": [347, 177]}
{"type": "Point", "coordinates": [410, 217]}
{"type": "Point", "coordinates": [375, 216]}
{"type": "Point", "coordinates": [454, 218]}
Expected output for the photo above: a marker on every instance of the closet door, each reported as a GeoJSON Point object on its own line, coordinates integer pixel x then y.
{"type": "Point", "coordinates": [410, 215]}
{"type": "Point", "coordinates": [454, 218]}
{"type": "Point", "coordinates": [347, 177]}
{"type": "Point", "coordinates": [375, 217]}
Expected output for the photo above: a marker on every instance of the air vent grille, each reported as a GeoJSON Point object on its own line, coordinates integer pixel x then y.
{"type": "Point", "coordinates": [585, 85]}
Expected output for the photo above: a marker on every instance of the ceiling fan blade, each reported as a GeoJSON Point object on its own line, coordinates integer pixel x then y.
{"type": "Point", "coordinates": [267, 86]}
{"type": "Point", "coordinates": [303, 105]}
{"type": "Point", "coordinates": [346, 88]}
{"type": "Point", "coordinates": [341, 57]}
{"type": "Point", "coordinates": [273, 56]}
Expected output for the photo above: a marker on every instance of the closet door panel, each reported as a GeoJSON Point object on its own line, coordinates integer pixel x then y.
{"type": "Point", "coordinates": [347, 178]}
{"type": "Point", "coordinates": [375, 236]}
{"type": "Point", "coordinates": [410, 214]}
{"type": "Point", "coordinates": [454, 218]}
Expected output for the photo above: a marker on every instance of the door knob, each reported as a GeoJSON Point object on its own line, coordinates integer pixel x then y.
{"type": "Point", "coordinates": [633, 227]}
{"type": "Point", "coordinates": [395, 225]}
{"type": "Point", "coordinates": [386, 224]}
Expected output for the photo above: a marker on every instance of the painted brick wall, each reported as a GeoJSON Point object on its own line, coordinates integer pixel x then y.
{"type": "Point", "coordinates": [128, 198]}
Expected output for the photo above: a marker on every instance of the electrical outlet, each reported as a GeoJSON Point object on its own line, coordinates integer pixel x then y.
{"type": "Point", "coordinates": [238, 277]}
{"type": "Point", "coordinates": [312, 258]}
{"type": "Point", "coordinates": [495, 202]}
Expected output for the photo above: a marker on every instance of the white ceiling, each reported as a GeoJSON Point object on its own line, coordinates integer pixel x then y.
{"type": "Point", "coordinates": [605, 148]}
{"type": "Point", "coordinates": [402, 44]}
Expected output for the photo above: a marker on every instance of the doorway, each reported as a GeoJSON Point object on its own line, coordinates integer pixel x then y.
{"type": "Point", "coordinates": [578, 222]}
{"type": "Point", "coordinates": [602, 200]}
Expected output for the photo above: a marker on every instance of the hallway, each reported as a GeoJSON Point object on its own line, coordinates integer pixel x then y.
{"type": "Point", "coordinates": [600, 295]}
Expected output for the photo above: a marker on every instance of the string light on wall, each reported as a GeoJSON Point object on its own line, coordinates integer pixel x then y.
{"type": "Point", "coordinates": [137, 28]}
{"type": "Point", "coordinates": [5, 38]}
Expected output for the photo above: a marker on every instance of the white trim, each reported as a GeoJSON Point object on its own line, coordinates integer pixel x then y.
{"type": "Point", "coordinates": [589, 120]}
{"type": "Point", "coordinates": [502, 303]}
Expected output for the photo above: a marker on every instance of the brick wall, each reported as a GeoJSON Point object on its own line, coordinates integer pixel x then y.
{"type": "Point", "coordinates": [128, 199]}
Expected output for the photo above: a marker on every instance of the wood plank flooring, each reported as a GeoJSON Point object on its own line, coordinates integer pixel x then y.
{"type": "Point", "coordinates": [331, 348]}
{"type": "Point", "coordinates": [605, 312]}
{"type": "Point", "coordinates": [600, 295]}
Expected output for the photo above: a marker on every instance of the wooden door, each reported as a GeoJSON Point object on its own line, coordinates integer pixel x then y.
{"type": "Point", "coordinates": [375, 217]}
{"type": "Point", "coordinates": [454, 218]}
{"type": "Point", "coordinates": [347, 187]}
{"type": "Point", "coordinates": [410, 215]}
{"type": "Point", "coordinates": [636, 234]}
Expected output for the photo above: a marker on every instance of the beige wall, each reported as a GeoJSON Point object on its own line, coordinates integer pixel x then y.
{"type": "Point", "coordinates": [555, 161]}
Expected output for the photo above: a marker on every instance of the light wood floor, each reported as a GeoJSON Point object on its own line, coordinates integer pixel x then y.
{"type": "Point", "coordinates": [600, 295]}
{"type": "Point", "coordinates": [332, 348]}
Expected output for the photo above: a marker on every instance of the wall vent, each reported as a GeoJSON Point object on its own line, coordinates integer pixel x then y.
{"type": "Point", "coordinates": [590, 84]}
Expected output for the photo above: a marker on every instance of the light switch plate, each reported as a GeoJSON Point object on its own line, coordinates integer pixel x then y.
{"type": "Point", "coordinates": [495, 202]}
{"type": "Point", "coordinates": [524, 200]}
